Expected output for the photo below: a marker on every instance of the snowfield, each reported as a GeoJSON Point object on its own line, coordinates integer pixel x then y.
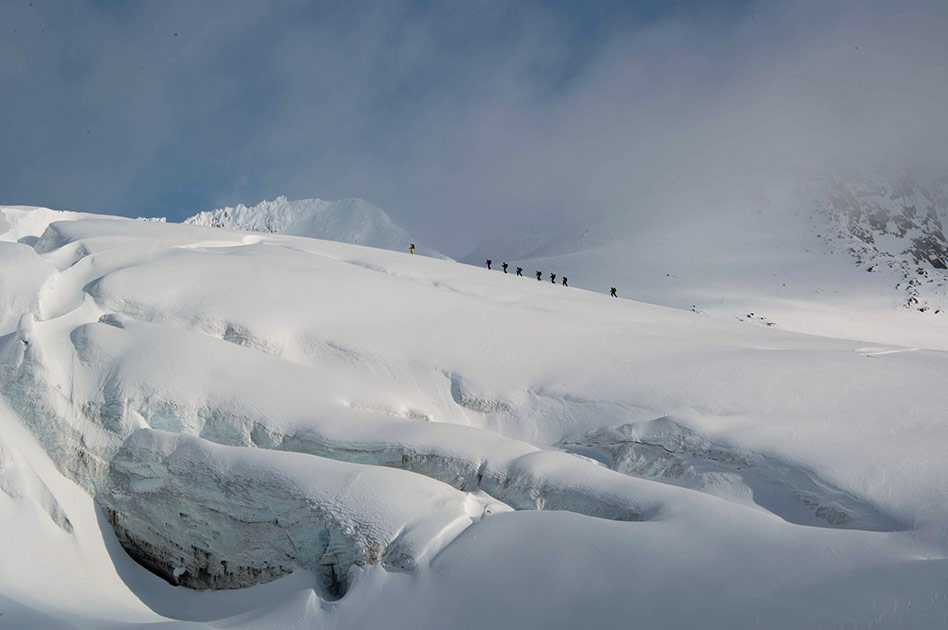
{"type": "Point", "coordinates": [843, 255]}
{"type": "Point", "coordinates": [211, 428]}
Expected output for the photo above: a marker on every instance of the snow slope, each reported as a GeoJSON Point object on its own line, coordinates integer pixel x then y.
{"type": "Point", "coordinates": [839, 255]}
{"type": "Point", "coordinates": [353, 437]}
{"type": "Point", "coordinates": [347, 221]}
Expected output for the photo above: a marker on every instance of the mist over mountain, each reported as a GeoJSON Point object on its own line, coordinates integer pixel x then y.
{"type": "Point", "coordinates": [466, 123]}
{"type": "Point", "coordinates": [714, 398]}
{"type": "Point", "coordinates": [894, 219]}
{"type": "Point", "coordinates": [854, 239]}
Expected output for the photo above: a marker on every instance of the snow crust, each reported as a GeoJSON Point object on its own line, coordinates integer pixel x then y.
{"type": "Point", "coordinates": [351, 436]}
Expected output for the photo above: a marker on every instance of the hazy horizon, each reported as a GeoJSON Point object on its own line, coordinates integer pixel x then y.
{"type": "Point", "coordinates": [461, 122]}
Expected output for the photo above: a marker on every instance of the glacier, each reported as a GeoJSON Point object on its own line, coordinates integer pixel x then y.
{"type": "Point", "coordinates": [210, 426]}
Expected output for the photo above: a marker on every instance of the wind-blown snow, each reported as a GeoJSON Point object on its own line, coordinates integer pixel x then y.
{"type": "Point", "coordinates": [352, 436]}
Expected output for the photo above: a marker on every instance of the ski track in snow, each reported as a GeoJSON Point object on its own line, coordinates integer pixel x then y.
{"type": "Point", "coordinates": [928, 359]}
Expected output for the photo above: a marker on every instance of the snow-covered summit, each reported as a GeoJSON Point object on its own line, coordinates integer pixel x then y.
{"type": "Point", "coordinates": [346, 220]}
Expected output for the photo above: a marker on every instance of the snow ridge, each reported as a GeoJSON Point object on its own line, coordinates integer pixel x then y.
{"type": "Point", "coordinates": [350, 220]}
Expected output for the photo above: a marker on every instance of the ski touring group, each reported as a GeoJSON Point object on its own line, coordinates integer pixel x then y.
{"type": "Point", "coordinates": [539, 274]}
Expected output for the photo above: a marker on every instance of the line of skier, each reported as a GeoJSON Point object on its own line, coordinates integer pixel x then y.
{"type": "Point", "coordinates": [489, 262]}
{"type": "Point", "coordinates": [539, 275]}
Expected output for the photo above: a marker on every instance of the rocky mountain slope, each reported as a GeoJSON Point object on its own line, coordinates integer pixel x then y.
{"type": "Point", "coordinates": [891, 226]}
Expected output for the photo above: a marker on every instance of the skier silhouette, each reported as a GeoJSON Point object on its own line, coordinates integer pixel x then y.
{"type": "Point", "coordinates": [553, 278]}
{"type": "Point", "coordinates": [564, 282]}
{"type": "Point", "coordinates": [520, 271]}
{"type": "Point", "coordinates": [505, 267]}
{"type": "Point", "coordinates": [613, 292]}
{"type": "Point", "coordinates": [539, 273]}
{"type": "Point", "coordinates": [411, 248]}
{"type": "Point", "coordinates": [488, 264]}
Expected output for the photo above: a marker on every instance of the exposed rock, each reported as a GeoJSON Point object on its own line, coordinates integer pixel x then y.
{"type": "Point", "coordinates": [893, 223]}
{"type": "Point", "coordinates": [868, 210]}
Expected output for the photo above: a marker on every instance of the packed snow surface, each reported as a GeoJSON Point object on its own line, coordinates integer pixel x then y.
{"type": "Point", "coordinates": [209, 427]}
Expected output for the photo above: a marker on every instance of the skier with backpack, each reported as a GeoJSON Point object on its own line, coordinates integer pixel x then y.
{"type": "Point", "coordinates": [488, 264]}
{"type": "Point", "coordinates": [520, 271]}
{"type": "Point", "coordinates": [505, 267]}
{"type": "Point", "coordinates": [613, 292]}
{"type": "Point", "coordinates": [564, 282]}
{"type": "Point", "coordinates": [411, 248]}
{"type": "Point", "coordinates": [539, 275]}
{"type": "Point", "coordinates": [553, 278]}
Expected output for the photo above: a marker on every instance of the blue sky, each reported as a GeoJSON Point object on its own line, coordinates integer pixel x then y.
{"type": "Point", "coordinates": [461, 119]}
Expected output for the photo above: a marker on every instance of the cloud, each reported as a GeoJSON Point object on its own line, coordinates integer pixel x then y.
{"type": "Point", "coordinates": [461, 119]}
